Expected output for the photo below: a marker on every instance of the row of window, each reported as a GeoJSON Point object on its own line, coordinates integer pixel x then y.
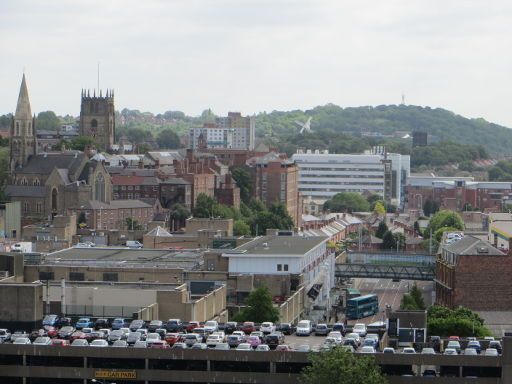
{"type": "Point", "coordinates": [26, 207]}
{"type": "Point", "coordinates": [282, 267]}
{"type": "Point", "coordinates": [78, 276]}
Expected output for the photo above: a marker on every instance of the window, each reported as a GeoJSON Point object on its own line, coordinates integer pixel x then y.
{"type": "Point", "coordinates": [99, 187]}
{"type": "Point", "coordinates": [130, 188]}
{"type": "Point", "coordinates": [76, 276]}
{"type": "Point", "coordinates": [17, 128]}
{"type": "Point", "coordinates": [36, 181]}
{"type": "Point", "coordinates": [285, 267]}
{"type": "Point", "coordinates": [25, 207]}
{"type": "Point", "coordinates": [46, 275]}
{"type": "Point", "coordinates": [109, 276]}
{"type": "Point", "coordinates": [39, 207]}
{"type": "Point", "coordinates": [279, 267]}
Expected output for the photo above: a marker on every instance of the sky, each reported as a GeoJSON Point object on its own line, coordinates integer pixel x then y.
{"type": "Point", "coordinates": [254, 56]}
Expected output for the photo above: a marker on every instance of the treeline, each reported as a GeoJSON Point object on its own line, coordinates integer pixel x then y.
{"type": "Point", "coordinates": [502, 171]}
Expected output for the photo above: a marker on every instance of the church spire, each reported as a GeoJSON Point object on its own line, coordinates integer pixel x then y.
{"type": "Point", "coordinates": [23, 110]}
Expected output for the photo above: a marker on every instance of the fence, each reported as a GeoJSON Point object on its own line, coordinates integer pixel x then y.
{"type": "Point", "coordinates": [292, 308]}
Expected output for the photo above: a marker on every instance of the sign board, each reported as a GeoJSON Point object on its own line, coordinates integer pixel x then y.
{"type": "Point", "coordinates": [113, 374]}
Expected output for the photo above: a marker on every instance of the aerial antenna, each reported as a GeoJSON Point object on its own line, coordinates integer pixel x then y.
{"type": "Point", "coordinates": [403, 98]}
{"type": "Point", "coordinates": [98, 76]}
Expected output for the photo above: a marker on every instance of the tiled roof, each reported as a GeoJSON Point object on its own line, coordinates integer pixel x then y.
{"type": "Point", "coordinates": [25, 190]}
{"type": "Point", "coordinates": [46, 162]}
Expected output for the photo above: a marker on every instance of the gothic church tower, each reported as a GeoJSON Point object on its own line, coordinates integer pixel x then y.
{"type": "Point", "coordinates": [23, 137]}
{"type": "Point", "coordinates": [97, 118]}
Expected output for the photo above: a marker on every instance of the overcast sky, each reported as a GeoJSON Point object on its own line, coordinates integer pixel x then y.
{"type": "Point", "coordinates": [253, 56]}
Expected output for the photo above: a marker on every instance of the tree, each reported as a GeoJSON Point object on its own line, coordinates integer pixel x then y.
{"type": "Point", "coordinates": [338, 366]}
{"type": "Point", "coordinates": [413, 300]}
{"type": "Point", "coordinates": [438, 235]}
{"type": "Point", "coordinates": [204, 206]}
{"type": "Point", "coordinates": [244, 181]}
{"type": "Point", "coordinates": [168, 139]}
{"type": "Point", "coordinates": [379, 208]}
{"type": "Point", "coordinates": [427, 207]}
{"type": "Point", "coordinates": [133, 225]}
{"type": "Point", "coordinates": [240, 228]}
{"type": "Point", "coordinates": [444, 218]}
{"type": "Point", "coordinates": [347, 202]}
{"type": "Point", "coordinates": [79, 143]}
{"type": "Point", "coordinates": [461, 321]}
{"type": "Point", "coordinates": [388, 240]}
{"type": "Point", "coordinates": [259, 307]}
{"type": "Point", "coordinates": [399, 241]}
{"type": "Point", "coordinates": [381, 229]}
{"type": "Point", "coordinates": [47, 121]}
{"type": "Point", "coordinates": [178, 214]}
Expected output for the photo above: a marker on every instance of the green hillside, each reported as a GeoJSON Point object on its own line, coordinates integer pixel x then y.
{"type": "Point", "coordinates": [441, 124]}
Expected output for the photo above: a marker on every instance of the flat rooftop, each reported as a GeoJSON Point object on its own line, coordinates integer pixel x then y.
{"type": "Point", "coordinates": [278, 245]}
{"type": "Point", "coordinates": [118, 285]}
{"type": "Point", "coordinates": [121, 257]}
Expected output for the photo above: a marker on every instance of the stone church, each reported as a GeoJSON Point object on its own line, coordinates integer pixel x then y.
{"type": "Point", "coordinates": [97, 118]}
{"type": "Point", "coordinates": [47, 184]}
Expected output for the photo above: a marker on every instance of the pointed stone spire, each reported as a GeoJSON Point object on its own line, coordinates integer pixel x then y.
{"type": "Point", "coordinates": [23, 110]}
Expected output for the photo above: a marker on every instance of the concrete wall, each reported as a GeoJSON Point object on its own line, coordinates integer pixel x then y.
{"type": "Point", "coordinates": [291, 310]}
{"type": "Point", "coordinates": [21, 305]}
{"type": "Point", "coordinates": [195, 224]}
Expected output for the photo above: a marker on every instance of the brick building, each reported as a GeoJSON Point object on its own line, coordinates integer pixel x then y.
{"type": "Point", "coordinates": [174, 191]}
{"type": "Point", "coordinates": [227, 192]}
{"type": "Point", "coordinates": [455, 192]}
{"type": "Point", "coordinates": [474, 274]}
{"type": "Point", "coordinates": [133, 186]}
{"type": "Point", "coordinates": [275, 179]}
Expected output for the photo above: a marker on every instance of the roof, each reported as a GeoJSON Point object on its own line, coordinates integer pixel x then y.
{"type": "Point", "coordinates": [25, 190]}
{"type": "Point", "coordinates": [44, 163]}
{"type": "Point", "coordinates": [309, 218]}
{"type": "Point", "coordinates": [122, 257]}
{"type": "Point", "coordinates": [134, 180]}
{"type": "Point", "coordinates": [176, 181]}
{"type": "Point", "coordinates": [116, 204]}
{"type": "Point", "coordinates": [278, 245]}
{"type": "Point", "coordinates": [470, 245]}
{"type": "Point", "coordinates": [158, 232]}
{"type": "Point", "coordinates": [23, 110]}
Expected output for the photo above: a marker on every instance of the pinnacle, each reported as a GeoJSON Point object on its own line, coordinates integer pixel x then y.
{"type": "Point", "coordinates": [23, 110]}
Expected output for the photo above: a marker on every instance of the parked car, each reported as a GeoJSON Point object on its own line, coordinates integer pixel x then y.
{"type": "Point", "coordinates": [354, 336]}
{"type": "Point", "coordinates": [213, 340]}
{"type": "Point", "coordinates": [428, 351]}
{"type": "Point", "coordinates": [360, 328]}
{"type": "Point", "coordinates": [199, 346]}
{"type": "Point", "coordinates": [474, 344]}
{"type": "Point", "coordinates": [5, 335]}
{"type": "Point", "coordinates": [174, 325]}
{"type": "Point", "coordinates": [254, 341]}
{"type": "Point", "coordinates": [120, 344]}
{"type": "Point", "coordinates": [211, 326]}
{"type": "Point", "coordinates": [321, 330]}
{"type": "Point", "coordinates": [160, 344]}
{"type": "Point", "coordinates": [491, 352]}
{"type": "Point", "coordinates": [51, 320]}
{"type": "Point", "coordinates": [118, 323]}
{"type": "Point", "coordinates": [304, 328]}
{"type": "Point", "coordinates": [274, 339]}
{"type": "Point", "coordinates": [248, 327]}
{"type": "Point", "coordinates": [193, 338]}
{"type": "Point", "coordinates": [191, 325]}
{"type": "Point", "coordinates": [496, 345]}
{"type": "Point", "coordinates": [222, 347]}
{"type": "Point", "coordinates": [303, 348]}
{"type": "Point", "coordinates": [470, 352]}
{"type": "Point", "coordinates": [134, 244]}
{"type": "Point", "coordinates": [336, 335]}
{"type": "Point", "coordinates": [133, 337]}
{"type": "Point", "coordinates": [259, 334]}
{"type": "Point", "coordinates": [244, 347]}
{"type": "Point", "coordinates": [141, 344]}
{"type": "Point", "coordinates": [267, 327]}
{"type": "Point", "coordinates": [340, 327]}
{"type": "Point", "coordinates": [152, 337]}
{"type": "Point", "coordinates": [389, 350]}
{"type": "Point", "coordinates": [234, 340]}
{"type": "Point", "coordinates": [283, 348]}
{"type": "Point", "coordinates": [42, 340]}
{"type": "Point", "coordinates": [135, 325]}
{"type": "Point", "coordinates": [454, 344]}
{"type": "Point", "coordinates": [262, 348]}
{"type": "Point", "coordinates": [22, 340]}
{"type": "Point", "coordinates": [370, 343]}
{"type": "Point", "coordinates": [99, 343]}
{"type": "Point", "coordinates": [80, 343]}
{"type": "Point", "coordinates": [409, 351]}
{"type": "Point", "coordinates": [286, 328]}
{"type": "Point", "coordinates": [64, 321]}
{"type": "Point", "coordinates": [101, 323]}
{"type": "Point", "coordinates": [230, 327]}
{"type": "Point", "coordinates": [450, 351]}
{"type": "Point", "coordinates": [367, 349]}
{"type": "Point", "coordinates": [60, 343]}
{"type": "Point", "coordinates": [84, 322]}
{"type": "Point", "coordinates": [179, 346]}
{"type": "Point", "coordinates": [19, 334]}
{"type": "Point", "coordinates": [66, 332]}
{"type": "Point", "coordinates": [202, 332]}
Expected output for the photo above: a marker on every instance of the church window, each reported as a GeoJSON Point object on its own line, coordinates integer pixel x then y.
{"type": "Point", "coordinates": [94, 123]}
{"type": "Point", "coordinates": [24, 181]}
{"type": "Point", "coordinates": [39, 207]}
{"type": "Point", "coordinates": [36, 181]}
{"type": "Point", "coordinates": [99, 188]}
{"type": "Point", "coordinates": [55, 196]}
{"type": "Point", "coordinates": [25, 207]}
{"type": "Point", "coordinates": [17, 128]}
{"type": "Point", "coordinates": [30, 129]}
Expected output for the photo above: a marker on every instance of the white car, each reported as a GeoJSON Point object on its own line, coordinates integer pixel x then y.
{"type": "Point", "coordinates": [304, 328]}
{"type": "Point", "coordinates": [367, 349]}
{"type": "Point", "coordinates": [83, 245]}
{"type": "Point", "coordinates": [331, 341]}
{"type": "Point", "coordinates": [5, 335]}
{"type": "Point", "coordinates": [267, 327]}
{"type": "Point", "coordinates": [221, 334]}
{"type": "Point", "coordinates": [470, 352]}
{"type": "Point", "coordinates": [263, 347]}
{"type": "Point", "coordinates": [211, 326]}
{"type": "Point", "coordinates": [428, 351]}
{"type": "Point", "coordinates": [450, 351]}
{"type": "Point", "coordinates": [360, 329]}
{"type": "Point", "coordinates": [42, 340]}
{"type": "Point", "coordinates": [491, 352]}
{"type": "Point", "coordinates": [389, 350]}
{"type": "Point", "coordinates": [22, 340]}
{"type": "Point", "coordinates": [337, 335]}
{"type": "Point", "coordinates": [213, 340]}
{"type": "Point", "coordinates": [354, 336]}
{"type": "Point", "coordinates": [244, 347]}
{"type": "Point", "coordinates": [409, 350]}
{"type": "Point", "coordinates": [140, 344]}
{"type": "Point", "coordinates": [99, 343]}
{"type": "Point", "coordinates": [152, 337]}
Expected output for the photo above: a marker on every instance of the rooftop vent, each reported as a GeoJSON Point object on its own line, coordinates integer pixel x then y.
{"type": "Point", "coordinates": [482, 250]}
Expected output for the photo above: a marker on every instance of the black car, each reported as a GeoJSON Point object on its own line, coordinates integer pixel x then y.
{"type": "Point", "coordinates": [340, 327]}
{"type": "Point", "coordinates": [274, 339]}
{"type": "Point", "coordinates": [64, 321]}
{"type": "Point", "coordinates": [154, 325]}
{"type": "Point", "coordinates": [497, 345]}
{"type": "Point", "coordinates": [430, 373]}
{"type": "Point", "coordinates": [101, 323]}
{"type": "Point", "coordinates": [286, 328]}
{"type": "Point", "coordinates": [231, 326]}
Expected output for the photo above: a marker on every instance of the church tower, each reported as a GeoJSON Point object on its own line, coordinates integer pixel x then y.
{"type": "Point", "coordinates": [23, 137]}
{"type": "Point", "coordinates": [97, 118]}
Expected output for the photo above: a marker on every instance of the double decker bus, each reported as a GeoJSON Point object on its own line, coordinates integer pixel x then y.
{"type": "Point", "coordinates": [362, 306]}
{"type": "Point", "coordinates": [351, 293]}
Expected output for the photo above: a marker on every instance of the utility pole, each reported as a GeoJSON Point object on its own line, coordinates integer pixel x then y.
{"type": "Point", "coordinates": [430, 242]}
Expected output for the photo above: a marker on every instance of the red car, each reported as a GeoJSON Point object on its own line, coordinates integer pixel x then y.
{"type": "Point", "coordinates": [283, 347]}
{"type": "Point", "coordinates": [160, 344]}
{"type": "Point", "coordinates": [51, 331]}
{"type": "Point", "coordinates": [192, 325]}
{"type": "Point", "coordinates": [77, 335]}
{"type": "Point", "coordinates": [60, 343]}
{"type": "Point", "coordinates": [171, 338]}
{"type": "Point", "coordinates": [248, 327]}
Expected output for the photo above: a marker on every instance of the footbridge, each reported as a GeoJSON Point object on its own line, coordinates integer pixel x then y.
{"type": "Point", "coordinates": [387, 265]}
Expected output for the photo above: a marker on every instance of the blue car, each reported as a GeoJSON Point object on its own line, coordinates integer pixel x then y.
{"type": "Point", "coordinates": [51, 320]}
{"type": "Point", "coordinates": [84, 322]}
{"type": "Point", "coordinates": [118, 323]}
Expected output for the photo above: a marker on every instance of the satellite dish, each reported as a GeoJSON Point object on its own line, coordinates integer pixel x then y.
{"type": "Point", "coordinates": [304, 127]}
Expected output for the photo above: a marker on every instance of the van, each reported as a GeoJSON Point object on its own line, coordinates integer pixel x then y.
{"type": "Point", "coordinates": [304, 328]}
{"type": "Point", "coordinates": [133, 244]}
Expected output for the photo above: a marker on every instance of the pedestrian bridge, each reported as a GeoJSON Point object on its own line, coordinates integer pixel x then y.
{"type": "Point", "coordinates": [387, 265]}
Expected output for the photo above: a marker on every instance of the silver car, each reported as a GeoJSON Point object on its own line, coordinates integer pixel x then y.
{"type": "Point", "coordinates": [42, 340]}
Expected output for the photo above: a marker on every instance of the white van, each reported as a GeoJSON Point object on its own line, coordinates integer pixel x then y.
{"type": "Point", "coordinates": [304, 328]}
{"type": "Point", "coordinates": [133, 244]}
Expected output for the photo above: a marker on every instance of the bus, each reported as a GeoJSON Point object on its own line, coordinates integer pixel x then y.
{"type": "Point", "coordinates": [351, 293]}
{"type": "Point", "coordinates": [362, 306]}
